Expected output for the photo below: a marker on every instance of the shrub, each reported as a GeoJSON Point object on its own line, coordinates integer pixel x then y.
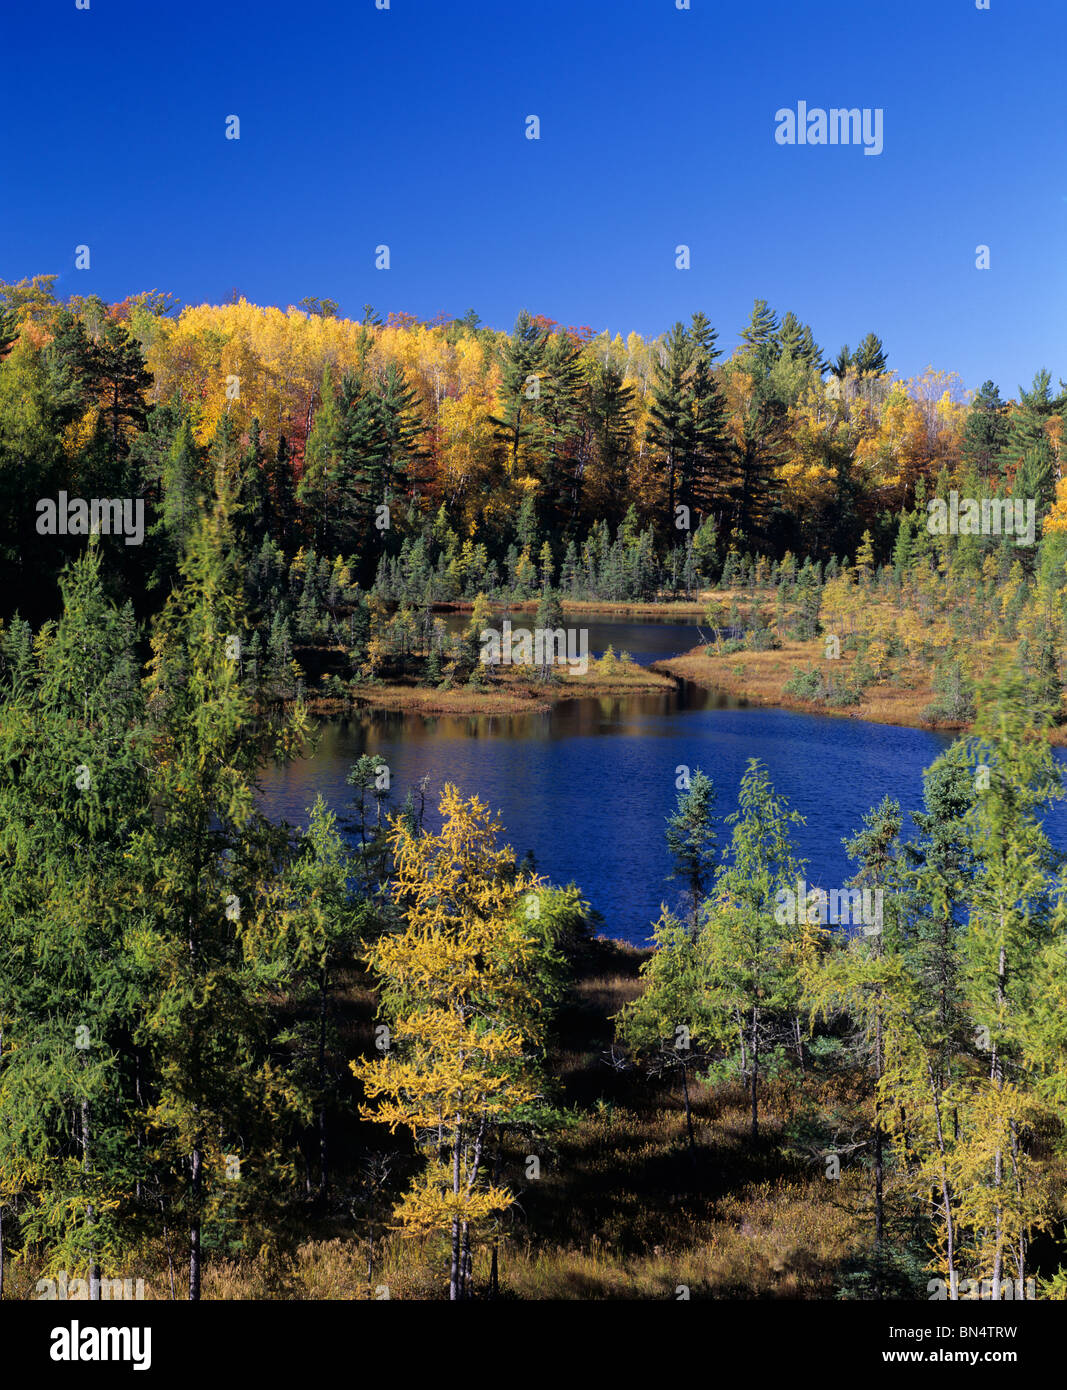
{"type": "Point", "coordinates": [955, 696]}
{"type": "Point", "coordinates": [805, 685]}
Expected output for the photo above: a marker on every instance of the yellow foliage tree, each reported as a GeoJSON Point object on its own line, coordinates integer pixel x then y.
{"type": "Point", "coordinates": [459, 984]}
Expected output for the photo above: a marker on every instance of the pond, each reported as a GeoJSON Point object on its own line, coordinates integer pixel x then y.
{"type": "Point", "coordinates": [587, 785]}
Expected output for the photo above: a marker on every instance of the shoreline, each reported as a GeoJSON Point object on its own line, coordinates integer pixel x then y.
{"type": "Point", "coordinates": [758, 678]}
{"type": "Point", "coordinates": [761, 685]}
{"type": "Point", "coordinates": [695, 608]}
{"type": "Point", "coordinates": [506, 696]}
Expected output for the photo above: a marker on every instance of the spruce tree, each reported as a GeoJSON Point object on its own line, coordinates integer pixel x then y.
{"type": "Point", "coordinates": [691, 840]}
{"type": "Point", "coordinates": [870, 358]}
{"type": "Point", "coordinates": [73, 797]}
{"type": "Point", "coordinates": [207, 865]}
{"type": "Point", "coordinates": [750, 949]}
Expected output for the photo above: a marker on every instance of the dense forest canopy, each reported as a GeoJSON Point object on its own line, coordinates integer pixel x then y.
{"type": "Point", "coordinates": [471, 459]}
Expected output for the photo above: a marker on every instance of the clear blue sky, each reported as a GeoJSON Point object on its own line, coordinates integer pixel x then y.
{"type": "Point", "coordinates": [406, 126]}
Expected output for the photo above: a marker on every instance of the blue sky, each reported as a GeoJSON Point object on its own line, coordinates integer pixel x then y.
{"type": "Point", "coordinates": [406, 127]}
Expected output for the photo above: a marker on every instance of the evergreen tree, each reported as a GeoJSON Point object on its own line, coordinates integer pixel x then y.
{"type": "Point", "coordinates": [751, 957]}
{"type": "Point", "coordinates": [870, 358]}
{"type": "Point", "coordinates": [321, 925]}
{"type": "Point", "coordinates": [691, 840]}
{"type": "Point", "coordinates": [985, 432]}
{"type": "Point", "coordinates": [762, 328]}
{"type": "Point", "coordinates": [73, 795]}
{"type": "Point", "coordinates": [522, 366]}
{"type": "Point", "coordinates": [318, 491]}
{"type": "Point", "coordinates": [207, 864]}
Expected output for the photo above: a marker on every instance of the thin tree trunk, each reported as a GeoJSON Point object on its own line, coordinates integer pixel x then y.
{"type": "Point", "coordinates": [194, 1225]}
{"type": "Point", "coordinates": [466, 1261]}
{"type": "Point", "coordinates": [753, 1092]}
{"type": "Point", "coordinates": [946, 1193]}
{"type": "Point", "coordinates": [688, 1108]}
{"type": "Point", "coordinates": [166, 1241]}
{"type": "Point", "coordinates": [323, 1168]}
{"type": "Point", "coordinates": [494, 1266]}
{"type": "Point", "coordinates": [140, 1110]}
{"type": "Point", "coordinates": [453, 1278]}
{"type": "Point", "coordinates": [465, 1289]}
{"type": "Point", "coordinates": [998, 1161]}
{"type": "Point", "coordinates": [90, 1213]}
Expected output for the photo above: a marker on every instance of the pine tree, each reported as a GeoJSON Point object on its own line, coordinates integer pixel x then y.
{"type": "Point", "coordinates": [985, 432]}
{"type": "Point", "coordinates": [863, 974]}
{"type": "Point", "coordinates": [321, 925]}
{"type": "Point", "coordinates": [751, 958]}
{"type": "Point", "coordinates": [207, 865]}
{"type": "Point", "coordinates": [180, 486]}
{"type": "Point", "coordinates": [691, 840]}
{"type": "Point", "coordinates": [73, 795]}
{"type": "Point", "coordinates": [670, 426]}
{"type": "Point", "coordinates": [522, 366]}
{"type": "Point", "coordinates": [318, 491]}
{"type": "Point", "coordinates": [560, 467]}
{"type": "Point", "coordinates": [670, 1026]}
{"type": "Point", "coordinates": [762, 328]}
{"type": "Point", "coordinates": [612, 408]}
{"type": "Point", "coordinates": [843, 363]}
{"type": "Point", "coordinates": [870, 358]}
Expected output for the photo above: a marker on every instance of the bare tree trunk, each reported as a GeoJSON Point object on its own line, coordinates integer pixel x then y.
{"type": "Point", "coordinates": [946, 1193]}
{"type": "Point", "coordinates": [196, 1159]}
{"type": "Point", "coordinates": [453, 1278]}
{"type": "Point", "coordinates": [466, 1262]}
{"type": "Point", "coordinates": [90, 1213]}
{"type": "Point", "coordinates": [494, 1266]}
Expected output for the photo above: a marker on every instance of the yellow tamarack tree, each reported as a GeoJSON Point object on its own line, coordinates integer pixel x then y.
{"type": "Point", "coordinates": [459, 986]}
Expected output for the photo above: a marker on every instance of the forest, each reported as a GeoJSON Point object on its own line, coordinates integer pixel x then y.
{"type": "Point", "coordinates": [381, 1055]}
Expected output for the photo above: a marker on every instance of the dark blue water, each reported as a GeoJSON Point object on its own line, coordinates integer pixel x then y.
{"type": "Point", "coordinates": [646, 639]}
{"type": "Point", "coordinates": [587, 786]}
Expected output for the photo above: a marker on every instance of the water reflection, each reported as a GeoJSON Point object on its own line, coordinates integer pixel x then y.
{"type": "Point", "coordinates": [587, 785]}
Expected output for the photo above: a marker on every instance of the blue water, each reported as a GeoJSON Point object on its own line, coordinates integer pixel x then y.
{"type": "Point", "coordinates": [645, 639]}
{"type": "Point", "coordinates": [587, 786]}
